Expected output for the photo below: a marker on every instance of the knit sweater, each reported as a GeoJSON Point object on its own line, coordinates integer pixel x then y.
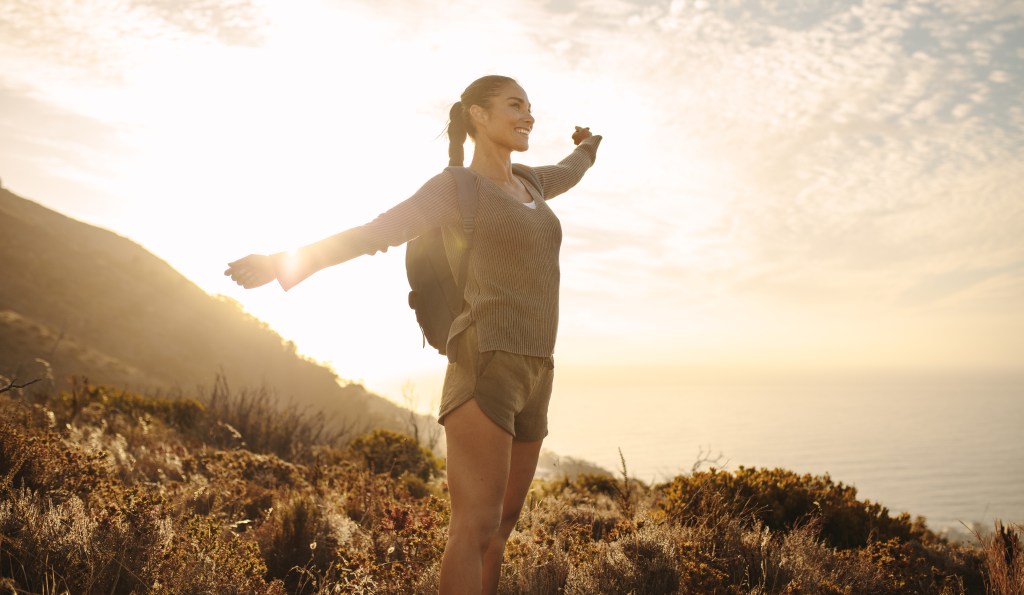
{"type": "Point", "coordinates": [512, 284]}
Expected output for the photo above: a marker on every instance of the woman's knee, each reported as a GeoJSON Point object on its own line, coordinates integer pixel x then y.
{"type": "Point", "coordinates": [509, 519]}
{"type": "Point", "coordinates": [479, 527]}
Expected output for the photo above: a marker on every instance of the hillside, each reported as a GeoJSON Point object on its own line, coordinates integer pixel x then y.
{"type": "Point", "coordinates": [105, 491]}
{"type": "Point", "coordinates": [77, 300]}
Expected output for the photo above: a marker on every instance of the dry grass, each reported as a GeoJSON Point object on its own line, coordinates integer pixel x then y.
{"type": "Point", "coordinates": [104, 491]}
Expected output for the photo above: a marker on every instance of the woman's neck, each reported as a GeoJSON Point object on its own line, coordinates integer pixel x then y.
{"type": "Point", "coordinates": [494, 163]}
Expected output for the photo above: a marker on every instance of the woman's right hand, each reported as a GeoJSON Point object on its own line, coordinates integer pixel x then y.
{"type": "Point", "coordinates": [252, 271]}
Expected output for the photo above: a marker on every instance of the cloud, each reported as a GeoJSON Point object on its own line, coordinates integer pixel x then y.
{"type": "Point", "coordinates": [947, 284]}
{"type": "Point", "coordinates": [232, 22]}
{"type": "Point", "coordinates": [845, 156]}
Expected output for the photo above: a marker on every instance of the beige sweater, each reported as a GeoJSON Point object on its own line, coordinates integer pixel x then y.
{"type": "Point", "coordinates": [512, 286]}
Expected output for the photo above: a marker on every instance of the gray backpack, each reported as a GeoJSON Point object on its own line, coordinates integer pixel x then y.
{"type": "Point", "coordinates": [437, 295]}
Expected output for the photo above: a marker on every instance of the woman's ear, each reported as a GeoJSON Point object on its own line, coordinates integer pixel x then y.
{"type": "Point", "coordinates": [478, 113]}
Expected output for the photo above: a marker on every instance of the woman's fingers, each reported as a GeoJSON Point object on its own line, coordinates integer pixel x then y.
{"type": "Point", "coordinates": [242, 261]}
{"type": "Point", "coordinates": [580, 134]}
{"type": "Point", "coordinates": [240, 274]}
{"type": "Point", "coordinates": [251, 271]}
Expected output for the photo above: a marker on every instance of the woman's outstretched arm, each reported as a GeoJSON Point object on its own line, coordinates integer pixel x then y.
{"type": "Point", "coordinates": [556, 179]}
{"type": "Point", "coordinates": [433, 205]}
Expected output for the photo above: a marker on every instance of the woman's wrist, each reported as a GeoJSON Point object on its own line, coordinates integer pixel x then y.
{"type": "Point", "coordinates": [290, 268]}
{"type": "Point", "coordinates": [589, 146]}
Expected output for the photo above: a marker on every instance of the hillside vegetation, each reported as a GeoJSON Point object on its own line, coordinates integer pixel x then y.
{"type": "Point", "coordinates": [108, 491]}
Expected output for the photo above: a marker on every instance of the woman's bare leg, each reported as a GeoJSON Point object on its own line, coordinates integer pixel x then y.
{"type": "Point", "coordinates": [479, 455]}
{"type": "Point", "coordinates": [521, 471]}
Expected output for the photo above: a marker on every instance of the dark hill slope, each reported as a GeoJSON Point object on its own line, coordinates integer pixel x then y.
{"type": "Point", "coordinates": [89, 302]}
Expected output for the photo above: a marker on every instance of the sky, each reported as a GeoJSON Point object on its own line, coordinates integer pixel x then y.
{"type": "Point", "coordinates": [785, 189]}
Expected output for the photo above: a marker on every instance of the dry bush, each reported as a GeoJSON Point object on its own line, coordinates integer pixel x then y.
{"type": "Point", "coordinates": [1003, 560]}
{"type": "Point", "coordinates": [181, 413]}
{"type": "Point", "coordinates": [39, 458]}
{"type": "Point", "coordinates": [294, 535]}
{"type": "Point", "coordinates": [532, 567]}
{"type": "Point", "coordinates": [782, 499]}
{"type": "Point", "coordinates": [384, 451]}
{"type": "Point", "coordinates": [205, 557]}
{"type": "Point", "coordinates": [49, 545]}
{"type": "Point", "coordinates": [257, 421]}
{"type": "Point", "coordinates": [638, 563]}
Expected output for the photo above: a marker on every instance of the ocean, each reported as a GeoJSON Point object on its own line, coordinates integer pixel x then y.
{"type": "Point", "coordinates": [951, 452]}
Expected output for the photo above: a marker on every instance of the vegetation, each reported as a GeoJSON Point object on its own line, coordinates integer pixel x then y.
{"type": "Point", "coordinates": [108, 491]}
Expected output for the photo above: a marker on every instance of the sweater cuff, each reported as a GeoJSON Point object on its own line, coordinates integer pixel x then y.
{"type": "Point", "coordinates": [294, 266]}
{"type": "Point", "coordinates": [589, 146]}
{"type": "Point", "coordinates": [291, 268]}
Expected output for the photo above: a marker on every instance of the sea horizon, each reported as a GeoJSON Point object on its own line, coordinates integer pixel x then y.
{"type": "Point", "coordinates": [948, 451]}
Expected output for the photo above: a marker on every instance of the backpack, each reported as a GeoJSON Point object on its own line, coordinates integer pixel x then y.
{"type": "Point", "coordinates": [437, 295]}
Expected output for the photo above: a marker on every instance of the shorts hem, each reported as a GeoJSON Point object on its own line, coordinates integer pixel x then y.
{"type": "Point", "coordinates": [450, 408]}
{"type": "Point", "coordinates": [516, 438]}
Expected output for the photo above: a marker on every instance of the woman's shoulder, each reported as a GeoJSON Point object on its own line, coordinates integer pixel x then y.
{"type": "Point", "coordinates": [435, 199]}
{"type": "Point", "coordinates": [441, 182]}
{"type": "Point", "coordinates": [439, 187]}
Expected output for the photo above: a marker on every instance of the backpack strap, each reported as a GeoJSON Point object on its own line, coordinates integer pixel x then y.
{"type": "Point", "coordinates": [527, 172]}
{"type": "Point", "coordinates": [466, 189]}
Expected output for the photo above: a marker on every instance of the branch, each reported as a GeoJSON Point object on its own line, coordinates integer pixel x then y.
{"type": "Point", "coordinates": [704, 458]}
{"type": "Point", "coordinates": [12, 384]}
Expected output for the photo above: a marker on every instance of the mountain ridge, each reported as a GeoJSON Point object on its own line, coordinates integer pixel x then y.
{"type": "Point", "coordinates": [80, 300]}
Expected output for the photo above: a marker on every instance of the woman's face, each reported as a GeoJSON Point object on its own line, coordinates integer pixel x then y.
{"type": "Point", "coordinates": [508, 122]}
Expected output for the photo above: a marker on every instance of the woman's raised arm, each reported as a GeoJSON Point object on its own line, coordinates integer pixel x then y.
{"type": "Point", "coordinates": [556, 179]}
{"type": "Point", "coordinates": [433, 205]}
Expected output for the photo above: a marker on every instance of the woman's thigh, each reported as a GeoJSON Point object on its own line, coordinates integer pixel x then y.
{"type": "Point", "coordinates": [522, 468]}
{"type": "Point", "coordinates": [479, 458]}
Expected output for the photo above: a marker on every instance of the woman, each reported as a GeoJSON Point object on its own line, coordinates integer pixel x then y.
{"type": "Point", "coordinates": [496, 390]}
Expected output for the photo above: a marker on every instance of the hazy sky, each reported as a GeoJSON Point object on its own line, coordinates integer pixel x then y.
{"type": "Point", "coordinates": [785, 186]}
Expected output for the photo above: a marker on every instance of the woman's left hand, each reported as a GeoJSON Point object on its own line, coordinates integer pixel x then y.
{"type": "Point", "coordinates": [581, 134]}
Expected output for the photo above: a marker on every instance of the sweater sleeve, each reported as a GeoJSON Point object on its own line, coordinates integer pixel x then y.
{"type": "Point", "coordinates": [556, 179]}
{"type": "Point", "coordinates": [433, 205]}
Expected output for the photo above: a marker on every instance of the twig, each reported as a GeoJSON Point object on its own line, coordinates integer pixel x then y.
{"type": "Point", "coordinates": [13, 384]}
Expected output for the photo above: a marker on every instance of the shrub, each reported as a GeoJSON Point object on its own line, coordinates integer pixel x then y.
{"type": "Point", "coordinates": [182, 413]}
{"type": "Point", "coordinates": [104, 544]}
{"type": "Point", "coordinates": [597, 483]}
{"type": "Point", "coordinates": [41, 459]}
{"type": "Point", "coordinates": [237, 484]}
{"type": "Point", "coordinates": [1004, 560]}
{"type": "Point", "coordinates": [783, 499]}
{"type": "Point", "coordinates": [256, 420]}
{"type": "Point", "coordinates": [205, 557]}
{"type": "Point", "coordinates": [392, 453]}
{"type": "Point", "coordinates": [294, 535]}
{"type": "Point", "coordinates": [640, 563]}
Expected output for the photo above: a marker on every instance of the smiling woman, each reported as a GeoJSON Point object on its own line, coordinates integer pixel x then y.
{"type": "Point", "coordinates": [498, 383]}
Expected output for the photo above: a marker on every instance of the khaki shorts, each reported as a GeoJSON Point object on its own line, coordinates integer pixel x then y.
{"type": "Point", "coordinates": [512, 390]}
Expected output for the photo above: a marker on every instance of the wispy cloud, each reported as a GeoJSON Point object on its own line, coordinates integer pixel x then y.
{"type": "Point", "coordinates": [856, 153]}
{"type": "Point", "coordinates": [102, 39]}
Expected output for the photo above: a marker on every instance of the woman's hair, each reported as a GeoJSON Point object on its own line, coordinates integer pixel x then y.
{"type": "Point", "coordinates": [479, 92]}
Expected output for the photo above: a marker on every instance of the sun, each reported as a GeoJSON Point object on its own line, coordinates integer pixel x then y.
{"type": "Point", "coordinates": [236, 150]}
